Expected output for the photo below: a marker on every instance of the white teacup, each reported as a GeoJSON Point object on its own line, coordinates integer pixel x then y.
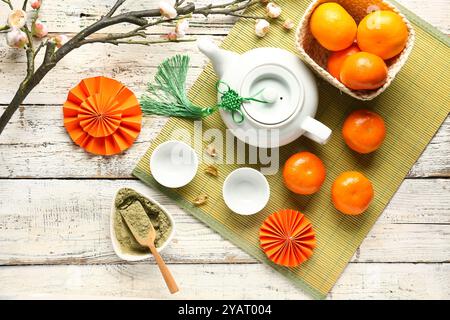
{"type": "Point", "coordinates": [246, 191]}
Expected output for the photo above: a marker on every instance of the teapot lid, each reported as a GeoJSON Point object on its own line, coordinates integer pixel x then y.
{"type": "Point", "coordinates": [278, 87]}
{"type": "Point", "coordinates": [282, 75]}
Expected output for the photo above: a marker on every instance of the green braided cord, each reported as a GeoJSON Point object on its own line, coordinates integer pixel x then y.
{"type": "Point", "coordinates": [231, 101]}
{"type": "Point", "coordinates": [168, 96]}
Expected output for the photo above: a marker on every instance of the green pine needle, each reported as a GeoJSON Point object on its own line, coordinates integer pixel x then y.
{"type": "Point", "coordinates": [168, 96]}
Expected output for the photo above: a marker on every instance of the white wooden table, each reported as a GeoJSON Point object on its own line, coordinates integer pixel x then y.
{"type": "Point", "coordinates": [55, 198]}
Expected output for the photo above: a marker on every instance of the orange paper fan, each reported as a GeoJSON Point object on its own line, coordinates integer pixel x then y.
{"type": "Point", "coordinates": [287, 238]}
{"type": "Point", "coordinates": [102, 116]}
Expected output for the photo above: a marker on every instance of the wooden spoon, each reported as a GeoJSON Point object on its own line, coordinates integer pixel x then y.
{"type": "Point", "coordinates": [149, 241]}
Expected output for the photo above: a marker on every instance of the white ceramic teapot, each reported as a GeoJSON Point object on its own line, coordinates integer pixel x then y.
{"type": "Point", "coordinates": [282, 81]}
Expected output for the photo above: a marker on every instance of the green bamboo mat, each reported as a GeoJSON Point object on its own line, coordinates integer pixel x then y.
{"type": "Point", "coordinates": [414, 107]}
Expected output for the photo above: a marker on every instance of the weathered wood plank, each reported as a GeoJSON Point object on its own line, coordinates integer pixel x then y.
{"type": "Point", "coordinates": [67, 222]}
{"type": "Point", "coordinates": [37, 145]}
{"type": "Point", "coordinates": [63, 16]}
{"type": "Point", "coordinates": [255, 281]}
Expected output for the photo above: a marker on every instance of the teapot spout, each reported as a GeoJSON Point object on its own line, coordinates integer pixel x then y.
{"type": "Point", "coordinates": [220, 58]}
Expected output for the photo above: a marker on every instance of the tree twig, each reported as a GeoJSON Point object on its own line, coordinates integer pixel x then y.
{"type": "Point", "coordinates": [8, 2]}
{"type": "Point", "coordinates": [49, 51]}
{"type": "Point", "coordinates": [115, 7]}
{"type": "Point", "coordinates": [143, 42]}
{"type": "Point", "coordinates": [178, 3]}
{"type": "Point", "coordinates": [227, 8]}
{"type": "Point", "coordinates": [39, 47]}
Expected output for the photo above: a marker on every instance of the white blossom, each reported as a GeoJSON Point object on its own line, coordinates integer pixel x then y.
{"type": "Point", "coordinates": [288, 24]}
{"type": "Point", "coordinates": [273, 10]}
{"type": "Point", "coordinates": [17, 19]}
{"type": "Point", "coordinates": [167, 10]}
{"type": "Point", "coordinates": [261, 27]}
{"type": "Point", "coordinates": [181, 28]}
{"type": "Point", "coordinates": [16, 38]}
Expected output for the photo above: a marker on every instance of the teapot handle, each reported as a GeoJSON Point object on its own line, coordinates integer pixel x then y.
{"type": "Point", "coordinates": [316, 130]}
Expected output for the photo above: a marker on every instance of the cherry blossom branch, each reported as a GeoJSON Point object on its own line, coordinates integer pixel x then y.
{"type": "Point", "coordinates": [142, 19]}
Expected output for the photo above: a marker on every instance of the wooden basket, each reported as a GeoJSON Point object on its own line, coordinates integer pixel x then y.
{"type": "Point", "coordinates": [316, 55]}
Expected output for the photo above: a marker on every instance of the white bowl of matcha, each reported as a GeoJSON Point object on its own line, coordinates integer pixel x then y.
{"type": "Point", "coordinates": [137, 204]}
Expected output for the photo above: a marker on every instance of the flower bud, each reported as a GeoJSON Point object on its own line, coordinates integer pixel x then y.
{"type": "Point", "coordinates": [60, 40]}
{"type": "Point", "coordinates": [261, 27]}
{"type": "Point", "coordinates": [171, 36]}
{"type": "Point", "coordinates": [36, 4]}
{"type": "Point", "coordinates": [181, 28]}
{"type": "Point", "coordinates": [288, 24]}
{"type": "Point", "coordinates": [17, 19]}
{"type": "Point", "coordinates": [16, 38]}
{"type": "Point", "coordinates": [38, 29]}
{"type": "Point", "coordinates": [273, 10]}
{"type": "Point", "coordinates": [167, 10]}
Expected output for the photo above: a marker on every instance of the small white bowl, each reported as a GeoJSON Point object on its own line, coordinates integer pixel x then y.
{"type": "Point", "coordinates": [246, 191]}
{"type": "Point", "coordinates": [174, 164]}
{"type": "Point", "coordinates": [115, 243]}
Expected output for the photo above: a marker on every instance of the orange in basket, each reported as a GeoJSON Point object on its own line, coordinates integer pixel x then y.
{"type": "Point", "coordinates": [287, 238]}
{"type": "Point", "coordinates": [102, 116]}
{"type": "Point", "coordinates": [364, 71]}
{"type": "Point", "coordinates": [337, 58]}
{"type": "Point", "coordinates": [333, 27]}
{"type": "Point", "coordinates": [316, 56]}
{"type": "Point", "coordinates": [382, 33]}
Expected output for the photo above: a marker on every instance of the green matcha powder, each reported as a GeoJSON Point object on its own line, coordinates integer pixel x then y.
{"type": "Point", "coordinates": [138, 211]}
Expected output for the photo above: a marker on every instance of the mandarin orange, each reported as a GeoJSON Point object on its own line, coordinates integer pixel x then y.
{"type": "Point", "coordinates": [364, 71]}
{"type": "Point", "coordinates": [352, 193]}
{"type": "Point", "coordinates": [383, 33]}
{"type": "Point", "coordinates": [304, 173]}
{"type": "Point", "coordinates": [364, 131]}
{"type": "Point", "coordinates": [337, 58]}
{"type": "Point", "coordinates": [332, 26]}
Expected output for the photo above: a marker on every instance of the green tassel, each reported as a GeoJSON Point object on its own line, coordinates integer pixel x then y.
{"type": "Point", "coordinates": [168, 96]}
